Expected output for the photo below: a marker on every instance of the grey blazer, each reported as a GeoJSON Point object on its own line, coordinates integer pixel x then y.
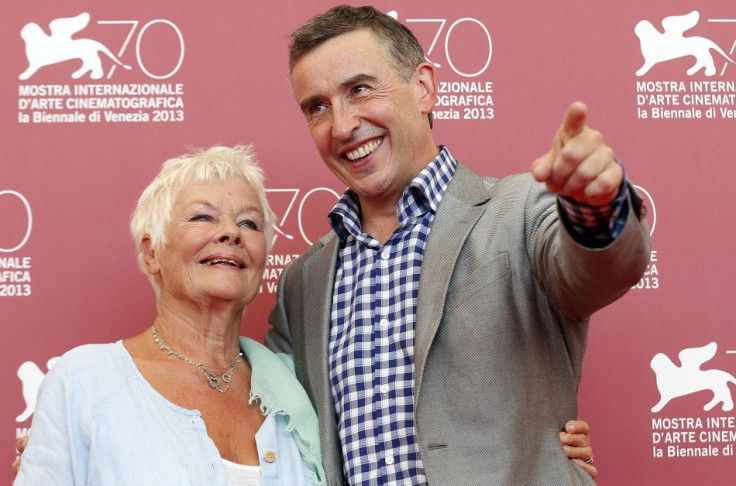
{"type": "Point", "coordinates": [502, 320]}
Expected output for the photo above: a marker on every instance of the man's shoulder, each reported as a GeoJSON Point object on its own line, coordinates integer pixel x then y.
{"type": "Point", "coordinates": [310, 252]}
{"type": "Point", "coordinates": [467, 181]}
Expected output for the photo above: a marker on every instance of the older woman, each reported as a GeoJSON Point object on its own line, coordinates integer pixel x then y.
{"type": "Point", "coordinates": [186, 401]}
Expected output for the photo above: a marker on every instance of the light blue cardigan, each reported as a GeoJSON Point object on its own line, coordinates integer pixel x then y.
{"type": "Point", "coordinates": [98, 421]}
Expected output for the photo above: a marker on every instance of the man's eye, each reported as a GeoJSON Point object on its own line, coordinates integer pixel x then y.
{"type": "Point", "coordinates": [317, 108]}
{"type": "Point", "coordinates": [360, 88]}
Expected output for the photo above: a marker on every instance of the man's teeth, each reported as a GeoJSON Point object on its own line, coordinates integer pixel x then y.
{"type": "Point", "coordinates": [363, 151]}
{"type": "Point", "coordinates": [222, 260]}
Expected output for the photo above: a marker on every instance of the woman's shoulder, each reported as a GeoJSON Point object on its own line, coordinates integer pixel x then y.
{"type": "Point", "coordinates": [88, 363]}
{"type": "Point", "coordinates": [88, 355]}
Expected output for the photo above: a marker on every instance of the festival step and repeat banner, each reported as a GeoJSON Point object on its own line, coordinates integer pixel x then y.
{"type": "Point", "coordinates": [94, 96]}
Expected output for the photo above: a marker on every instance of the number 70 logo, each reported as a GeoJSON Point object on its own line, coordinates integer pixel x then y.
{"type": "Point", "coordinates": [455, 28]}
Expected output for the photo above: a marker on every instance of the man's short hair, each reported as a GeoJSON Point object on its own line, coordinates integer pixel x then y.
{"type": "Point", "coordinates": [405, 51]}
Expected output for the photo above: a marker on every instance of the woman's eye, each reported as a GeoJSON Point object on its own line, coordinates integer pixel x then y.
{"type": "Point", "coordinates": [249, 224]}
{"type": "Point", "coordinates": [200, 217]}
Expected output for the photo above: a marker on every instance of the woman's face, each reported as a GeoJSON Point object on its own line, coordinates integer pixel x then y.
{"type": "Point", "coordinates": [215, 247]}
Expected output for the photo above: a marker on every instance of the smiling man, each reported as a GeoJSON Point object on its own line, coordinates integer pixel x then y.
{"type": "Point", "coordinates": [446, 314]}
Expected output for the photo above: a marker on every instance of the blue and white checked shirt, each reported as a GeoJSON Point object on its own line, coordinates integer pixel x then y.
{"type": "Point", "coordinates": [371, 343]}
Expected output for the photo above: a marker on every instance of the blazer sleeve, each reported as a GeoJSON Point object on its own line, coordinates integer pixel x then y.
{"type": "Point", "coordinates": [583, 280]}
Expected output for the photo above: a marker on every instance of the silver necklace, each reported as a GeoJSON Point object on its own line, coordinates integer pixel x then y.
{"type": "Point", "coordinates": [214, 380]}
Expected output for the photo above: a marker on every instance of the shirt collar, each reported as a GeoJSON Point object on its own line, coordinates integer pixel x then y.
{"type": "Point", "coordinates": [423, 194]}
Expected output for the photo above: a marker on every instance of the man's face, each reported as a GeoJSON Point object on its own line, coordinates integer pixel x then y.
{"type": "Point", "coordinates": [369, 125]}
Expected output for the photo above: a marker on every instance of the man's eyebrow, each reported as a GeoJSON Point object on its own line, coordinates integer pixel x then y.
{"type": "Point", "coordinates": [357, 79]}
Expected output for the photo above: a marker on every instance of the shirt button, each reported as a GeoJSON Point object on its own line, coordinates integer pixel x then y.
{"type": "Point", "coordinates": [384, 389]}
{"type": "Point", "coordinates": [383, 324]}
{"type": "Point", "coordinates": [269, 456]}
{"type": "Point", "coordinates": [385, 255]}
{"type": "Point", "coordinates": [389, 460]}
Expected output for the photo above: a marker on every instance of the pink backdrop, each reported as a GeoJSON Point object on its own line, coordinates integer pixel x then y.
{"type": "Point", "coordinates": [508, 71]}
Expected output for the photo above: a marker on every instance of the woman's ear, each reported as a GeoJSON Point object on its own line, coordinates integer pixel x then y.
{"type": "Point", "coordinates": [150, 256]}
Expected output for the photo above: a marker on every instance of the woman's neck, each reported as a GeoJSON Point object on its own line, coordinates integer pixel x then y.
{"type": "Point", "coordinates": [209, 337]}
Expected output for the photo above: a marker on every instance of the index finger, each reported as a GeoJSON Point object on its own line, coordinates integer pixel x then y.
{"type": "Point", "coordinates": [574, 121]}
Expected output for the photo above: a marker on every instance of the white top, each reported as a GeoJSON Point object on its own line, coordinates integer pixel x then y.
{"type": "Point", "coordinates": [242, 474]}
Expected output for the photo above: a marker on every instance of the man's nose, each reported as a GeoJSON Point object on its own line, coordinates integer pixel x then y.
{"type": "Point", "coordinates": [344, 120]}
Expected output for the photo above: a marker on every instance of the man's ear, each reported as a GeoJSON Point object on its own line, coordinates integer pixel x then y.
{"type": "Point", "coordinates": [150, 256]}
{"type": "Point", "coordinates": [426, 78]}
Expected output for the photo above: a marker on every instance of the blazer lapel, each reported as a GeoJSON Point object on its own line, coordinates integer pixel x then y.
{"type": "Point", "coordinates": [461, 206]}
{"type": "Point", "coordinates": [319, 277]}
